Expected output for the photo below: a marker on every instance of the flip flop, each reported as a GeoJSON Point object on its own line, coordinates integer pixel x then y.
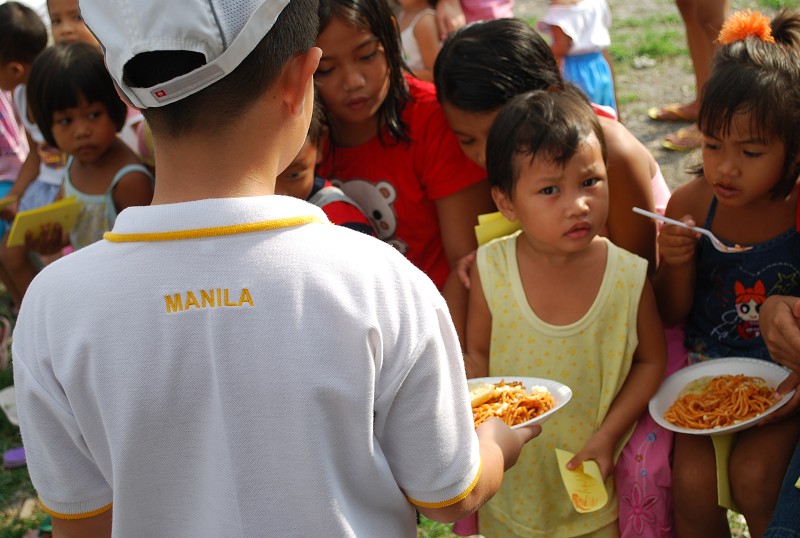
{"type": "Point", "coordinates": [684, 139]}
{"type": "Point", "coordinates": [671, 112]}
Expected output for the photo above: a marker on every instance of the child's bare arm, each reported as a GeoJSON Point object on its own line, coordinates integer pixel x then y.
{"type": "Point", "coordinates": [674, 280]}
{"type": "Point", "coordinates": [427, 35]}
{"type": "Point", "coordinates": [500, 447]}
{"type": "Point", "coordinates": [27, 173]}
{"type": "Point", "coordinates": [97, 526]}
{"type": "Point", "coordinates": [644, 378]}
{"type": "Point", "coordinates": [561, 43]}
{"type": "Point", "coordinates": [479, 329]}
{"type": "Point", "coordinates": [631, 168]}
{"type": "Point", "coordinates": [449, 16]}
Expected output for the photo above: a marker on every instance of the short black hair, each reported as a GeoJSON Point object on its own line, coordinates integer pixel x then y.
{"type": "Point", "coordinates": [761, 79]}
{"type": "Point", "coordinates": [23, 35]}
{"type": "Point", "coordinates": [221, 103]}
{"type": "Point", "coordinates": [377, 17]}
{"type": "Point", "coordinates": [61, 76]}
{"type": "Point", "coordinates": [318, 125]}
{"type": "Point", "coordinates": [551, 123]}
{"type": "Point", "coordinates": [484, 64]}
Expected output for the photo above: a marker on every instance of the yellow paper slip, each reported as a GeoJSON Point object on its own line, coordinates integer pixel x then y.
{"type": "Point", "coordinates": [723, 445]}
{"type": "Point", "coordinates": [65, 212]}
{"type": "Point", "coordinates": [493, 225]}
{"type": "Point", "coordinates": [584, 485]}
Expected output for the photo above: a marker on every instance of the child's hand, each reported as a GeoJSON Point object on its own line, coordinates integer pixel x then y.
{"type": "Point", "coordinates": [509, 441]}
{"type": "Point", "coordinates": [49, 241]}
{"type": "Point", "coordinates": [9, 211]}
{"type": "Point", "coordinates": [677, 245]}
{"type": "Point", "coordinates": [464, 266]}
{"type": "Point", "coordinates": [600, 449]}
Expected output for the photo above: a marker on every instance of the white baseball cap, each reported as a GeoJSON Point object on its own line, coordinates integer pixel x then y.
{"type": "Point", "coordinates": [224, 31]}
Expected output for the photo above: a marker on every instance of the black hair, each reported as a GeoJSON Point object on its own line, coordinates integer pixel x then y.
{"type": "Point", "coordinates": [61, 76]}
{"type": "Point", "coordinates": [23, 35]}
{"type": "Point", "coordinates": [376, 16]}
{"type": "Point", "coordinates": [762, 79]}
{"type": "Point", "coordinates": [318, 125]}
{"type": "Point", "coordinates": [226, 100]}
{"type": "Point", "coordinates": [551, 123]}
{"type": "Point", "coordinates": [484, 64]}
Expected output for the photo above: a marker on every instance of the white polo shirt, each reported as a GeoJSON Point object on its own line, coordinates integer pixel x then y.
{"type": "Point", "coordinates": [223, 368]}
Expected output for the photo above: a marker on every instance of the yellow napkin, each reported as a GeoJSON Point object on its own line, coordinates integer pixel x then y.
{"type": "Point", "coordinates": [723, 444]}
{"type": "Point", "coordinates": [584, 485]}
{"type": "Point", "coordinates": [493, 225]}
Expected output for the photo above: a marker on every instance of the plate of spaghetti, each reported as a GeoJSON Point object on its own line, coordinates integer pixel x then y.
{"type": "Point", "coordinates": [517, 401]}
{"type": "Point", "coordinates": [718, 396]}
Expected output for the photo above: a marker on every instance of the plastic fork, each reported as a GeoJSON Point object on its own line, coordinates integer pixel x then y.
{"type": "Point", "coordinates": [719, 245]}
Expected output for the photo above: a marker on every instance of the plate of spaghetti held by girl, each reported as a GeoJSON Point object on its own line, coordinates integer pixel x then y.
{"type": "Point", "coordinates": [517, 401]}
{"type": "Point", "coordinates": [719, 396]}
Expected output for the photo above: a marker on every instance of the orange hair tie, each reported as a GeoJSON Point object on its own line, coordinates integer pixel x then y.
{"type": "Point", "coordinates": [744, 24]}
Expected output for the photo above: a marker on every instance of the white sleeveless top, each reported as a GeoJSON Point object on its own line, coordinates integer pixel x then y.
{"type": "Point", "coordinates": [411, 53]}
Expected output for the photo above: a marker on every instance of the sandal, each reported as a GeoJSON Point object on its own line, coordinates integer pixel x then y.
{"type": "Point", "coordinates": [672, 112]}
{"type": "Point", "coordinates": [684, 139]}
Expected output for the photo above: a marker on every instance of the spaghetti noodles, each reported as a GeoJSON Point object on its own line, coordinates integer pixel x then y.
{"type": "Point", "coordinates": [720, 401]}
{"type": "Point", "coordinates": [513, 404]}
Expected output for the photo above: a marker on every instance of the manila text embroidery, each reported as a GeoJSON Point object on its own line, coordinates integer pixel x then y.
{"type": "Point", "coordinates": [212, 298]}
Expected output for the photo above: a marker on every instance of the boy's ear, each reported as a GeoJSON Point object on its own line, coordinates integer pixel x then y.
{"type": "Point", "coordinates": [299, 78]}
{"type": "Point", "coordinates": [504, 204]}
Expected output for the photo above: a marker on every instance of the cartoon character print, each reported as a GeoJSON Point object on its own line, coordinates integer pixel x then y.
{"type": "Point", "coordinates": [748, 304]}
{"type": "Point", "coordinates": [376, 200]}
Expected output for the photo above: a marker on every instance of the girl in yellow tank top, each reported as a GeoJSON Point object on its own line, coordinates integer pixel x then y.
{"type": "Point", "coordinates": [556, 300]}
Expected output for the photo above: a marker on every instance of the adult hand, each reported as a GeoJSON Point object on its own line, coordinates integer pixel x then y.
{"type": "Point", "coordinates": [449, 17]}
{"type": "Point", "coordinates": [779, 320]}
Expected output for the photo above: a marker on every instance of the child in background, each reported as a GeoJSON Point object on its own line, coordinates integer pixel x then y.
{"type": "Point", "coordinates": [579, 33]}
{"type": "Point", "coordinates": [23, 36]}
{"type": "Point", "coordinates": [745, 194]}
{"type": "Point", "coordinates": [13, 143]}
{"type": "Point", "coordinates": [419, 36]}
{"type": "Point", "coordinates": [67, 26]}
{"type": "Point", "coordinates": [453, 14]}
{"type": "Point", "coordinates": [557, 300]}
{"type": "Point", "coordinates": [137, 414]}
{"type": "Point", "coordinates": [300, 181]}
{"type": "Point", "coordinates": [73, 100]}
{"type": "Point", "coordinates": [390, 148]}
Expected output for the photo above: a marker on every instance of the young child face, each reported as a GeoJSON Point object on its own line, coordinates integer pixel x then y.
{"type": "Point", "coordinates": [67, 24]}
{"type": "Point", "coordinates": [85, 132]}
{"type": "Point", "coordinates": [298, 179]}
{"type": "Point", "coordinates": [471, 129]}
{"type": "Point", "coordinates": [560, 208]}
{"type": "Point", "coordinates": [353, 74]}
{"type": "Point", "coordinates": [740, 166]}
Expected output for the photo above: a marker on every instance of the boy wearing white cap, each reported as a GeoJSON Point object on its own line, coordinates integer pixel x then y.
{"type": "Point", "coordinates": [225, 362]}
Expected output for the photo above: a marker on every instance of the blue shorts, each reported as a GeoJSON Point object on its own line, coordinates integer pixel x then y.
{"type": "Point", "coordinates": [592, 74]}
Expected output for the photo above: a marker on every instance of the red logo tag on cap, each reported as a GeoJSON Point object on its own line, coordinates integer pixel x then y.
{"type": "Point", "coordinates": [160, 94]}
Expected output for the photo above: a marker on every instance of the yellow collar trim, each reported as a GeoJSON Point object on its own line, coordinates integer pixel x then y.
{"type": "Point", "coordinates": [213, 231]}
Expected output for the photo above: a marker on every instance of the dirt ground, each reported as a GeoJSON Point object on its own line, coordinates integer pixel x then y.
{"type": "Point", "coordinates": [668, 81]}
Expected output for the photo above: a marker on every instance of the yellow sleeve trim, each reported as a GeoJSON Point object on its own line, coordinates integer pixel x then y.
{"type": "Point", "coordinates": [460, 497]}
{"type": "Point", "coordinates": [211, 232]}
{"type": "Point", "coordinates": [83, 515]}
